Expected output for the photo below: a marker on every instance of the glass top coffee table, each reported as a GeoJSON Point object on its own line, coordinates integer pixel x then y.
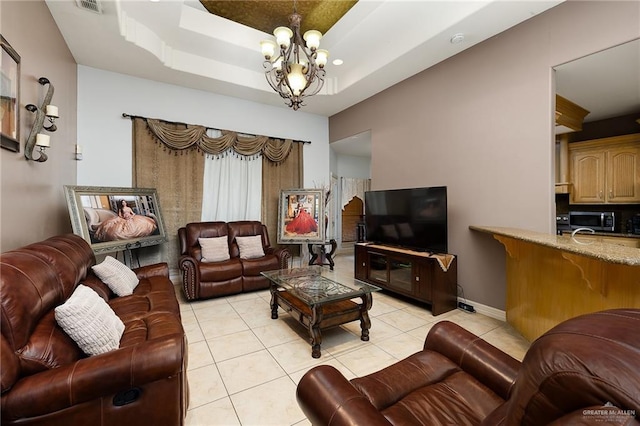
{"type": "Point", "coordinates": [318, 302]}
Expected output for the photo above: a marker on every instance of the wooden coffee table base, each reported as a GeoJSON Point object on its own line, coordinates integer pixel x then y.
{"type": "Point", "coordinates": [321, 316]}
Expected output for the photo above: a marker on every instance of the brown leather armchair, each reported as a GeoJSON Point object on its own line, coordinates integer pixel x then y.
{"type": "Point", "coordinates": [584, 371]}
{"type": "Point", "coordinates": [203, 280]}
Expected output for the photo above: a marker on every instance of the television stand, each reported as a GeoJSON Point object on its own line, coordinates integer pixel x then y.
{"type": "Point", "coordinates": [418, 275]}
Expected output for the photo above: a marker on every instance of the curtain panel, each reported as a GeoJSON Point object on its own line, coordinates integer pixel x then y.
{"type": "Point", "coordinates": [275, 178]}
{"type": "Point", "coordinates": [195, 137]}
{"type": "Point", "coordinates": [353, 187]}
{"type": "Point", "coordinates": [232, 188]}
{"type": "Point", "coordinates": [179, 179]}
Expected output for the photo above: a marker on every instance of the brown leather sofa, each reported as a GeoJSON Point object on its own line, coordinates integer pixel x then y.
{"type": "Point", "coordinates": [47, 380]}
{"type": "Point", "coordinates": [584, 371]}
{"type": "Point", "coordinates": [202, 280]}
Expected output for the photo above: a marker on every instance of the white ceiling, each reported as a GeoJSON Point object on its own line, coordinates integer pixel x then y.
{"type": "Point", "coordinates": [606, 83]}
{"type": "Point", "coordinates": [381, 42]}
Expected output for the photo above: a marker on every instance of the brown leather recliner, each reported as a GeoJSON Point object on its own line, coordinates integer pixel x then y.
{"type": "Point", "coordinates": [205, 280]}
{"type": "Point", "coordinates": [584, 371]}
{"type": "Point", "coordinates": [48, 380]}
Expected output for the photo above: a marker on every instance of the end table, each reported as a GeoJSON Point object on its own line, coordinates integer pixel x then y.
{"type": "Point", "coordinates": [319, 257]}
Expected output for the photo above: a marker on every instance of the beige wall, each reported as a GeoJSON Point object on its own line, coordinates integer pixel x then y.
{"type": "Point", "coordinates": [481, 124]}
{"type": "Point", "coordinates": [32, 204]}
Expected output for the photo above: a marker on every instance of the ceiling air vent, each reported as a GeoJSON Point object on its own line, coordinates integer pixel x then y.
{"type": "Point", "coordinates": [90, 5]}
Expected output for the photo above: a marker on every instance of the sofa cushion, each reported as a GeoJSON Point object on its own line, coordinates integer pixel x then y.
{"type": "Point", "coordinates": [90, 322]}
{"type": "Point", "coordinates": [214, 249]}
{"type": "Point", "coordinates": [250, 247]}
{"type": "Point", "coordinates": [48, 347]}
{"type": "Point", "coordinates": [116, 275]}
{"type": "Point", "coordinates": [221, 271]}
{"type": "Point", "coordinates": [253, 267]}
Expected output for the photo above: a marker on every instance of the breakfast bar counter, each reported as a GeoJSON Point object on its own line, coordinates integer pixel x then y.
{"type": "Point", "coordinates": [551, 278]}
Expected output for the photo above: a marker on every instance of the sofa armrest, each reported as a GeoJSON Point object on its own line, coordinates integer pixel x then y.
{"type": "Point", "coordinates": [95, 377]}
{"type": "Point", "coordinates": [328, 398]}
{"type": "Point", "coordinates": [282, 254]}
{"type": "Point", "coordinates": [190, 277]}
{"type": "Point", "coordinates": [488, 364]}
{"type": "Point", "coordinates": [158, 269]}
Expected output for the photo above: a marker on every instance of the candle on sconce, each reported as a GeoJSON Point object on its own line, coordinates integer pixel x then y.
{"type": "Point", "coordinates": [51, 111]}
{"type": "Point", "coordinates": [78, 152]}
{"type": "Point", "coordinates": [43, 140]}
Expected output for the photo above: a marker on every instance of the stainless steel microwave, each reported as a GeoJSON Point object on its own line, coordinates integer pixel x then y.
{"type": "Point", "coordinates": [598, 221]}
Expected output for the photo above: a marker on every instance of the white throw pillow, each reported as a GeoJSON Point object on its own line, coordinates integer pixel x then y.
{"type": "Point", "coordinates": [115, 274]}
{"type": "Point", "coordinates": [90, 321]}
{"type": "Point", "coordinates": [250, 247]}
{"type": "Point", "coordinates": [215, 249]}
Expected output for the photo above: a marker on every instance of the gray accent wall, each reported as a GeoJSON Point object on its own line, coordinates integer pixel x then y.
{"type": "Point", "coordinates": [32, 200]}
{"type": "Point", "coordinates": [481, 123]}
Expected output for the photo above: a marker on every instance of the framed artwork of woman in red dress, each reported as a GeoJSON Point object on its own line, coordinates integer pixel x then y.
{"type": "Point", "coordinates": [301, 216]}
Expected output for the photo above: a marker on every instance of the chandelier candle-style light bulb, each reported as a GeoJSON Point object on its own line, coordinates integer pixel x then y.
{"type": "Point", "coordinates": [296, 79]}
{"type": "Point", "coordinates": [268, 48]}
{"type": "Point", "coordinates": [321, 57]}
{"type": "Point", "coordinates": [51, 111]}
{"type": "Point", "coordinates": [283, 36]}
{"type": "Point", "coordinates": [294, 65]}
{"type": "Point", "coordinates": [43, 140]}
{"type": "Point", "coordinates": [312, 37]}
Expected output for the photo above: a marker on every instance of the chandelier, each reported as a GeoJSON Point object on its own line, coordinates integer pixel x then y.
{"type": "Point", "coordinates": [298, 69]}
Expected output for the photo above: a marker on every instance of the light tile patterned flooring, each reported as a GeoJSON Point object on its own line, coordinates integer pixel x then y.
{"type": "Point", "coordinates": [244, 367]}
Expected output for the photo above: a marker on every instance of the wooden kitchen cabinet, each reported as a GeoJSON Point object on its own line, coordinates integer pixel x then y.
{"type": "Point", "coordinates": [606, 171]}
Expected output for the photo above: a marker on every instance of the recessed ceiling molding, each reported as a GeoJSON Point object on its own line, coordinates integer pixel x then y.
{"type": "Point", "coordinates": [218, 28]}
{"type": "Point", "coordinates": [187, 62]}
{"type": "Point", "coordinates": [569, 114]}
{"type": "Point", "coordinates": [140, 35]}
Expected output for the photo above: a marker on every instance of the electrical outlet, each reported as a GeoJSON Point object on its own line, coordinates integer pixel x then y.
{"type": "Point", "coordinates": [466, 307]}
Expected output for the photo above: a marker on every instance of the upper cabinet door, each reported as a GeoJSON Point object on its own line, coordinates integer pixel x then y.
{"type": "Point", "coordinates": [623, 174]}
{"type": "Point", "coordinates": [606, 171]}
{"type": "Point", "coordinates": [588, 174]}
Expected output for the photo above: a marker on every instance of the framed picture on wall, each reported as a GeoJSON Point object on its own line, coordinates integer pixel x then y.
{"type": "Point", "coordinates": [115, 219]}
{"type": "Point", "coordinates": [301, 217]}
{"type": "Point", "coordinates": [10, 97]}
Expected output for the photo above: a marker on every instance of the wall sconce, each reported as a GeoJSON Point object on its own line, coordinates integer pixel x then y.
{"type": "Point", "coordinates": [36, 137]}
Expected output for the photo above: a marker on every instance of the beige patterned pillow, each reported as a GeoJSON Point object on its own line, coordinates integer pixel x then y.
{"type": "Point", "coordinates": [250, 247]}
{"type": "Point", "coordinates": [215, 249]}
{"type": "Point", "coordinates": [120, 279]}
{"type": "Point", "coordinates": [90, 322]}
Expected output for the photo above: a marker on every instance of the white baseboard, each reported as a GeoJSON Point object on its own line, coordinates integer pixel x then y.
{"type": "Point", "coordinates": [486, 310]}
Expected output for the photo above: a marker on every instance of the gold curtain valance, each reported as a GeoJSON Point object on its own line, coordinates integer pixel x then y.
{"type": "Point", "coordinates": [195, 137]}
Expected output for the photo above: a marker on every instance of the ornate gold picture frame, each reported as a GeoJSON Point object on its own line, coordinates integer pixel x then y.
{"type": "Point", "coordinates": [10, 97]}
{"type": "Point", "coordinates": [301, 216]}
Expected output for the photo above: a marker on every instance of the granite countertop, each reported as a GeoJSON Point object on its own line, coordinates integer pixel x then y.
{"type": "Point", "coordinates": [612, 253]}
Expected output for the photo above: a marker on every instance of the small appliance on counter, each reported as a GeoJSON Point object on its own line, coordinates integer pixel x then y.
{"type": "Point", "coordinates": [633, 225]}
{"type": "Point", "coordinates": [562, 223]}
{"type": "Point", "coordinates": [598, 221]}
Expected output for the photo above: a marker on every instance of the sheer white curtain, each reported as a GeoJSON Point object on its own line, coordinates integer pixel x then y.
{"type": "Point", "coordinates": [232, 187]}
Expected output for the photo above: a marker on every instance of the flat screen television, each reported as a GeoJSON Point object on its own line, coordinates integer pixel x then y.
{"type": "Point", "coordinates": [414, 218]}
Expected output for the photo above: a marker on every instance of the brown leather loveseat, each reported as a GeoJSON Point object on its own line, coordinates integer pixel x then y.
{"type": "Point", "coordinates": [48, 380]}
{"type": "Point", "coordinates": [584, 371]}
{"type": "Point", "coordinates": [203, 280]}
